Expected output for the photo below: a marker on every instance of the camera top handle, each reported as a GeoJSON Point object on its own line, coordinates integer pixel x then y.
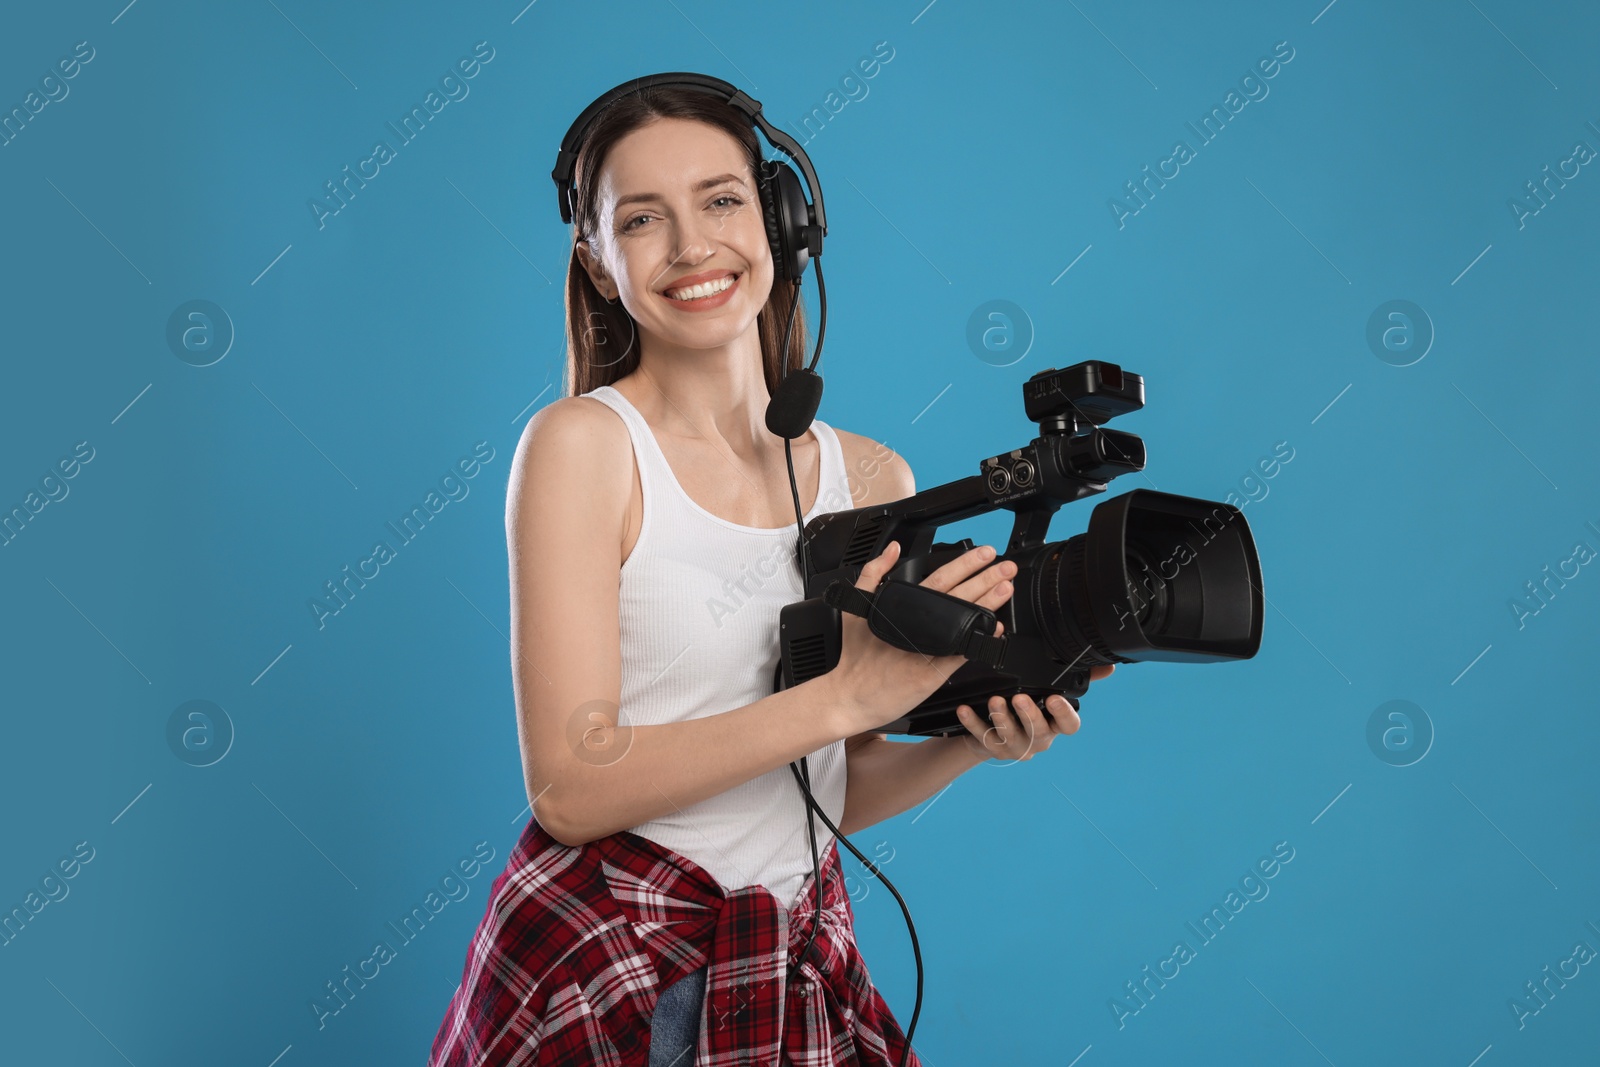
{"type": "Point", "coordinates": [1072, 458]}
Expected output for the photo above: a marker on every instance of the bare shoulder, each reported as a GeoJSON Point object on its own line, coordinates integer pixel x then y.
{"type": "Point", "coordinates": [583, 416]}
{"type": "Point", "coordinates": [576, 440]}
{"type": "Point", "coordinates": [877, 473]}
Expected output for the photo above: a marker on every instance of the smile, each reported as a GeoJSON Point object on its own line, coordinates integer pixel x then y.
{"type": "Point", "coordinates": [703, 295]}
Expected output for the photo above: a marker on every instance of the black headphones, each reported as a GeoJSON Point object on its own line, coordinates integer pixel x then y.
{"type": "Point", "coordinates": [795, 227]}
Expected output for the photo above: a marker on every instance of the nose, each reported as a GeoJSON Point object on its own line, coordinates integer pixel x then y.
{"type": "Point", "coordinates": [694, 237]}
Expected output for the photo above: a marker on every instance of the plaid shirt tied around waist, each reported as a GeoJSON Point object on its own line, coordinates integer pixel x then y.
{"type": "Point", "coordinates": [577, 943]}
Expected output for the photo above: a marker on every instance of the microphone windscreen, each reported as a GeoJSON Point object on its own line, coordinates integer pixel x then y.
{"type": "Point", "coordinates": [793, 407]}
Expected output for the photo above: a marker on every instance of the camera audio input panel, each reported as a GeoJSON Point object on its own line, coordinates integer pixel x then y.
{"type": "Point", "coordinates": [1013, 472]}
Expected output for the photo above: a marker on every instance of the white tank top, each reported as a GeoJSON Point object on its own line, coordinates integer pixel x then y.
{"type": "Point", "coordinates": [698, 606]}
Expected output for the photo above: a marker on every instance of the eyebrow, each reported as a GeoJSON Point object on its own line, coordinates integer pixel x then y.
{"type": "Point", "coordinates": [700, 186]}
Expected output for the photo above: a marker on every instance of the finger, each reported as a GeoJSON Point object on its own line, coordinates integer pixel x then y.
{"type": "Point", "coordinates": [1038, 733]}
{"type": "Point", "coordinates": [1099, 672]}
{"type": "Point", "coordinates": [960, 569]}
{"type": "Point", "coordinates": [997, 594]}
{"type": "Point", "coordinates": [991, 732]}
{"type": "Point", "coordinates": [977, 727]}
{"type": "Point", "coordinates": [995, 729]}
{"type": "Point", "coordinates": [873, 570]}
{"type": "Point", "coordinates": [1062, 712]}
{"type": "Point", "coordinates": [1011, 733]}
{"type": "Point", "coordinates": [990, 587]}
{"type": "Point", "coordinates": [1005, 728]}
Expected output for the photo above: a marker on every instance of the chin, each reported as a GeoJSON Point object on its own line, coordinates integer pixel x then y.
{"type": "Point", "coordinates": [711, 332]}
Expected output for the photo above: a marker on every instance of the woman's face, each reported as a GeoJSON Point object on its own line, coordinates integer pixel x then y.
{"type": "Point", "coordinates": [678, 206]}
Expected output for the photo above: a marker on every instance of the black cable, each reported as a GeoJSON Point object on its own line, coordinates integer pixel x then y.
{"type": "Point", "coordinates": [803, 766]}
{"type": "Point", "coordinates": [801, 769]}
{"type": "Point", "coordinates": [822, 322]}
{"type": "Point", "coordinates": [911, 927]}
{"type": "Point", "coordinates": [788, 449]}
{"type": "Point", "coordinates": [816, 864]}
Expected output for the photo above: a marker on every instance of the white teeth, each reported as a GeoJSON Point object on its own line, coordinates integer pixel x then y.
{"type": "Point", "coordinates": [695, 292]}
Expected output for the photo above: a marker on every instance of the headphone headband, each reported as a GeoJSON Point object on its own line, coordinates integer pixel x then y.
{"type": "Point", "coordinates": [567, 157]}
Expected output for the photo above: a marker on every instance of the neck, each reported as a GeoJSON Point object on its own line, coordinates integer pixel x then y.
{"type": "Point", "coordinates": [719, 394]}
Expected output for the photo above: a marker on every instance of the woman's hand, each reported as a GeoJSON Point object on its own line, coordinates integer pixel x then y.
{"type": "Point", "coordinates": [1027, 733]}
{"type": "Point", "coordinates": [880, 681]}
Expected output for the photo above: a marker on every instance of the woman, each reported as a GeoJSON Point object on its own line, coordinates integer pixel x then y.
{"type": "Point", "coordinates": [650, 908]}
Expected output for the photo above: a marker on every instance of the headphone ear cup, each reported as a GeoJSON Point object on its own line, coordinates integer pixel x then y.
{"type": "Point", "coordinates": [766, 186]}
{"type": "Point", "coordinates": [787, 214]}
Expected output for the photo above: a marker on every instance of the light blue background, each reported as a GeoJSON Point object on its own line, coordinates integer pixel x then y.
{"type": "Point", "coordinates": [427, 316]}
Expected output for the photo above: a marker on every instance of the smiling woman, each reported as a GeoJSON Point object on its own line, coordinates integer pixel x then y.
{"type": "Point", "coordinates": [675, 897]}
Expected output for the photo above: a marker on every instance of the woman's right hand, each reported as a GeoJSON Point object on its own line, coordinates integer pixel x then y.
{"type": "Point", "coordinates": [879, 681]}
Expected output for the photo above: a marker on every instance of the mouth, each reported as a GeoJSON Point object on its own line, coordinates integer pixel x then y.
{"type": "Point", "coordinates": [703, 292]}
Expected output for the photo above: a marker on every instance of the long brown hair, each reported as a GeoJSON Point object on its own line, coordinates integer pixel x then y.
{"type": "Point", "coordinates": [599, 332]}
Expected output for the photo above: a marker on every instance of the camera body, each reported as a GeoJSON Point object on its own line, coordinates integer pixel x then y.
{"type": "Point", "coordinates": [1155, 577]}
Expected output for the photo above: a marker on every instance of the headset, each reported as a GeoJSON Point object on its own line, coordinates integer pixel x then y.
{"type": "Point", "coordinates": [795, 228]}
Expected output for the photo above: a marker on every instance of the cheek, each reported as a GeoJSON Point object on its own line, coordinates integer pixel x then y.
{"type": "Point", "coordinates": [753, 248]}
{"type": "Point", "coordinates": [758, 253]}
{"type": "Point", "coordinates": [761, 258]}
{"type": "Point", "coordinates": [632, 263]}
{"type": "Point", "coordinates": [762, 277]}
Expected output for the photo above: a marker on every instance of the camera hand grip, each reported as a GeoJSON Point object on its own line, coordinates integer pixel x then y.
{"type": "Point", "coordinates": [919, 619]}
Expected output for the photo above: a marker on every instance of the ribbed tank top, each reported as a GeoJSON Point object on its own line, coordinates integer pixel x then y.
{"type": "Point", "coordinates": [698, 606]}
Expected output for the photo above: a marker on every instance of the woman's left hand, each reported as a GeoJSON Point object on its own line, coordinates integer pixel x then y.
{"type": "Point", "coordinates": [1025, 730]}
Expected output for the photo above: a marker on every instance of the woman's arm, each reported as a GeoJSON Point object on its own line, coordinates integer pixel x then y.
{"type": "Point", "coordinates": [885, 778]}
{"type": "Point", "coordinates": [587, 777]}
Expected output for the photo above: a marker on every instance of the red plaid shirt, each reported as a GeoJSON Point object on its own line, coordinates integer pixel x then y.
{"type": "Point", "coordinates": [576, 945]}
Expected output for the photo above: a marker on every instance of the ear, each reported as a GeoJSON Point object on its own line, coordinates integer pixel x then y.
{"type": "Point", "coordinates": [597, 272]}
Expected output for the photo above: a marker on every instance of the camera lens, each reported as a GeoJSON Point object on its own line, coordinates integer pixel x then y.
{"type": "Point", "coordinates": [1147, 593]}
{"type": "Point", "coordinates": [1155, 577]}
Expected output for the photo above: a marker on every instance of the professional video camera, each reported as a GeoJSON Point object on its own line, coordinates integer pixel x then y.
{"type": "Point", "coordinates": [1155, 577]}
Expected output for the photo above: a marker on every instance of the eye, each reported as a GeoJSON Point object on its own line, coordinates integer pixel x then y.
{"type": "Point", "coordinates": [730, 198]}
{"type": "Point", "coordinates": [637, 218]}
